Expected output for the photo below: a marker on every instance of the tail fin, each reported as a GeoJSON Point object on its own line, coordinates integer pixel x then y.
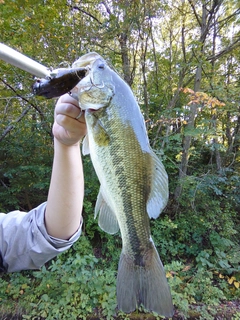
{"type": "Point", "coordinates": [143, 283]}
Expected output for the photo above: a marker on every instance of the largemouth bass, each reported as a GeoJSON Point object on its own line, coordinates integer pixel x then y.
{"type": "Point", "coordinates": [134, 184]}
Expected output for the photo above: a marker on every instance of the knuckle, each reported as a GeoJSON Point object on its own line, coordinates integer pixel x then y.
{"type": "Point", "coordinates": [68, 108]}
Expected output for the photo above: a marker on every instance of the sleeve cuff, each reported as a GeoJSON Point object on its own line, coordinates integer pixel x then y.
{"type": "Point", "coordinates": [55, 242]}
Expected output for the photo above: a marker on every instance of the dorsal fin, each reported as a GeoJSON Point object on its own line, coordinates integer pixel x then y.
{"type": "Point", "coordinates": [158, 196]}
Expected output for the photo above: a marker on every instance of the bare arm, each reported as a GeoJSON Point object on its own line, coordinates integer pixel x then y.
{"type": "Point", "coordinates": [65, 199]}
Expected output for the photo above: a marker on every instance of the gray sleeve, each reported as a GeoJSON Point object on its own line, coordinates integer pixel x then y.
{"type": "Point", "coordinates": [24, 241]}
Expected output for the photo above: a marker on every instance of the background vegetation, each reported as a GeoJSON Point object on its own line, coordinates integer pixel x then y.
{"type": "Point", "coordinates": [181, 59]}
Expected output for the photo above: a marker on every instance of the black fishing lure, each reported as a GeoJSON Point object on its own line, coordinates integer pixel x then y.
{"type": "Point", "coordinates": [58, 84]}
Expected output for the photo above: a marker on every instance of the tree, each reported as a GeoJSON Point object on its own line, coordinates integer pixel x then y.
{"type": "Point", "coordinates": [181, 59]}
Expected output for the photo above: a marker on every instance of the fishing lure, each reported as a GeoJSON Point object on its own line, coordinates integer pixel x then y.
{"type": "Point", "coordinates": [60, 83]}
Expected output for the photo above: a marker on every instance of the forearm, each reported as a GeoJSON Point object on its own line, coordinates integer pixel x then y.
{"type": "Point", "coordinates": [65, 198]}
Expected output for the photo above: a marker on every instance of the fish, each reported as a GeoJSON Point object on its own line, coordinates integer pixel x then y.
{"type": "Point", "coordinates": [133, 184]}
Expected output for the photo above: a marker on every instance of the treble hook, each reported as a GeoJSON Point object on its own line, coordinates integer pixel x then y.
{"type": "Point", "coordinates": [99, 86]}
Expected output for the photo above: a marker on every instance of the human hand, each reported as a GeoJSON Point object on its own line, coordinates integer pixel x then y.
{"type": "Point", "coordinates": [68, 128]}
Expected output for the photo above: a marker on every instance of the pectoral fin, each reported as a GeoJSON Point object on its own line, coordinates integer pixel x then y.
{"type": "Point", "coordinates": [85, 146]}
{"type": "Point", "coordinates": [100, 135]}
{"type": "Point", "coordinates": [158, 197]}
{"type": "Point", "coordinates": [107, 220]}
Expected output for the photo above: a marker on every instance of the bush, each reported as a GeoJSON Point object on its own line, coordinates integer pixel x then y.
{"type": "Point", "coordinates": [65, 290]}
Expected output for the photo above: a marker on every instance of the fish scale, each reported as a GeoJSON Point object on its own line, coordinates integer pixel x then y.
{"type": "Point", "coordinates": [122, 195]}
{"type": "Point", "coordinates": [131, 203]}
{"type": "Point", "coordinates": [133, 185]}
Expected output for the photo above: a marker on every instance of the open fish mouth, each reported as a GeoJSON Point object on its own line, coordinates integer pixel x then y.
{"type": "Point", "coordinates": [87, 87]}
{"type": "Point", "coordinates": [87, 82]}
{"type": "Point", "coordinates": [64, 80]}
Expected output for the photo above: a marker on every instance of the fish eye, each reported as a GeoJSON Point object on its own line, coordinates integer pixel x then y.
{"type": "Point", "coordinates": [101, 65]}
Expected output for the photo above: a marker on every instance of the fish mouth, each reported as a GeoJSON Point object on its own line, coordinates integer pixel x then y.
{"type": "Point", "coordinates": [63, 80]}
{"type": "Point", "coordinates": [93, 110]}
{"type": "Point", "coordinates": [87, 83]}
{"type": "Point", "coordinates": [87, 87]}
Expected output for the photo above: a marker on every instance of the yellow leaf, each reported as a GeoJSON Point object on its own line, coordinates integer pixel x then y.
{"type": "Point", "coordinates": [221, 276]}
{"type": "Point", "coordinates": [169, 275]}
{"type": "Point", "coordinates": [236, 284]}
{"type": "Point", "coordinates": [24, 286]}
{"type": "Point", "coordinates": [214, 111]}
{"type": "Point", "coordinates": [187, 90]}
{"type": "Point", "coordinates": [230, 280]}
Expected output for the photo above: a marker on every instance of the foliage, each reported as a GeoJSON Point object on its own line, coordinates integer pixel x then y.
{"type": "Point", "coordinates": [198, 289]}
{"type": "Point", "coordinates": [58, 295]}
{"type": "Point", "coordinates": [25, 169]}
{"type": "Point", "coordinates": [181, 59]}
{"type": "Point", "coordinates": [76, 285]}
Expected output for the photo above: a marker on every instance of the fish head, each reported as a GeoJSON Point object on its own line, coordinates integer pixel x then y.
{"type": "Point", "coordinates": [86, 60]}
{"type": "Point", "coordinates": [96, 89]}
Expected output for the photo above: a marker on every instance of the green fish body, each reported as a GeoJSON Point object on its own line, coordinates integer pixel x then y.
{"type": "Point", "coordinates": [134, 185]}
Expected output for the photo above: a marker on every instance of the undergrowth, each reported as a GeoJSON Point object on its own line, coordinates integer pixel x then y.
{"type": "Point", "coordinates": [198, 242]}
{"type": "Point", "coordinates": [75, 286]}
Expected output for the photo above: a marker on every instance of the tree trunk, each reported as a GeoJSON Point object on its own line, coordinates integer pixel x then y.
{"type": "Point", "coordinates": [193, 109]}
{"type": "Point", "coordinates": [125, 58]}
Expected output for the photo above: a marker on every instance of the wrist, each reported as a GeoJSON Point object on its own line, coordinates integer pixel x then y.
{"type": "Point", "coordinates": [63, 145]}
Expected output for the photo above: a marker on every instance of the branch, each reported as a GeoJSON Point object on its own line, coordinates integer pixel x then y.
{"type": "Point", "coordinates": [9, 128]}
{"type": "Point", "coordinates": [223, 21]}
{"type": "Point", "coordinates": [211, 14]}
{"type": "Point", "coordinates": [195, 13]}
{"type": "Point", "coordinates": [87, 13]}
{"type": "Point", "coordinates": [25, 111]}
{"type": "Point", "coordinates": [232, 46]}
{"type": "Point", "coordinates": [24, 99]}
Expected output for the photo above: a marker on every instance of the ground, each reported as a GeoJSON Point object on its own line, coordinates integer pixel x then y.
{"type": "Point", "coordinates": [227, 310]}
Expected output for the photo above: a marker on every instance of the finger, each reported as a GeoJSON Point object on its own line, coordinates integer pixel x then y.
{"type": "Point", "coordinates": [67, 98]}
{"type": "Point", "coordinates": [81, 116]}
{"type": "Point", "coordinates": [69, 110]}
{"type": "Point", "coordinates": [70, 124]}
